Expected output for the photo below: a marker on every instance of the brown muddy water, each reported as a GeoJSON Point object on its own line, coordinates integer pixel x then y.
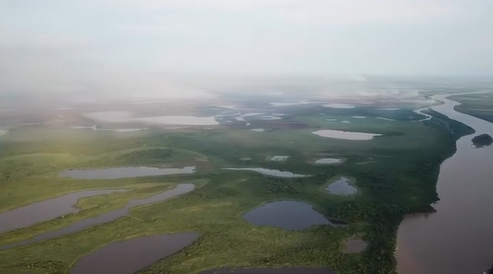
{"type": "Point", "coordinates": [458, 238]}
{"type": "Point", "coordinates": [106, 217]}
{"type": "Point", "coordinates": [130, 256]}
{"type": "Point", "coordinates": [46, 210]}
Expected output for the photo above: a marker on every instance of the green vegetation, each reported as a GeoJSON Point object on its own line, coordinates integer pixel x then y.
{"type": "Point", "coordinates": [476, 104]}
{"type": "Point", "coordinates": [482, 140]}
{"type": "Point", "coordinates": [398, 178]}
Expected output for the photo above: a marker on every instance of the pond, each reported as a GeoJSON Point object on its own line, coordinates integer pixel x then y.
{"type": "Point", "coordinates": [258, 130]}
{"type": "Point", "coordinates": [106, 217]}
{"type": "Point", "coordinates": [3, 132]}
{"type": "Point", "coordinates": [284, 270]}
{"type": "Point", "coordinates": [126, 116]}
{"type": "Point", "coordinates": [341, 186]}
{"type": "Point", "coordinates": [329, 161]}
{"type": "Point", "coordinates": [354, 245]}
{"type": "Point", "coordinates": [385, 119]}
{"type": "Point", "coordinates": [346, 135]}
{"type": "Point", "coordinates": [270, 172]}
{"type": "Point", "coordinates": [124, 172]}
{"type": "Point", "coordinates": [359, 117]}
{"type": "Point", "coordinates": [130, 256]}
{"type": "Point", "coordinates": [46, 210]}
{"type": "Point", "coordinates": [279, 158]}
{"type": "Point", "coordinates": [289, 215]}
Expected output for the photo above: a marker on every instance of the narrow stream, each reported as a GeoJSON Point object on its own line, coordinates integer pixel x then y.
{"type": "Point", "coordinates": [458, 238]}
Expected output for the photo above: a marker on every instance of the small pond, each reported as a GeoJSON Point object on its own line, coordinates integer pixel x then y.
{"type": "Point", "coordinates": [346, 135]}
{"type": "Point", "coordinates": [270, 172]}
{"type": "Point", "coordinates": [130, 256]}
{"type": "Point", "coordinates": [258, 129]}
{"type": "Point", "coordinates": [329, 161]}
{"type": "Point", "coordinates": [284, 270]}
{"type": "Point", "coordinates": [341, 186]}
{"type": "Point", "coordinates": [354, 246]}
{"type": "Point", "coordinates": [3, 132]}
{"type": "Point", "coordinates": [106, 217]}
{"type": "Point", "coordinates": [279, 158]}
{"type": "Point", "coordinates": [290, 215]}
{"type": "Point", "coordinates": [359, 117]}
{"type": "Point", "coordinates": [46, 210]}
{"type": "Point", "coordinates": [124, 172]}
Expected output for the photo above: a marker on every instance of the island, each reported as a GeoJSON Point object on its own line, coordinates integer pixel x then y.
{"type": "Point", "coordinates": [482, 140]}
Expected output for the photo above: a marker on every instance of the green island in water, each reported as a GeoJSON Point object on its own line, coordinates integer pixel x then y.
{"type": "Point", "coordinates": [391, 156]}
{"type": "Point", "coordinates": [482, 140]}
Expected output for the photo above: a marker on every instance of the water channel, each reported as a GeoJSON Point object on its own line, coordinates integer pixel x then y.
{"type": "Point", "coordinates": [106, 217]}
{"type": "Point", "coordinates": [458, 238]}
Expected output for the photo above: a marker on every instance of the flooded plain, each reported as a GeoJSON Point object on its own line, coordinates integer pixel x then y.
{"type": "Point", "coordinates": [457, 238]}
{"type": "Point", "coordinates": [106, 217]}
{"type": "Point", "coordinates": [284, 270]}
{"type": "Point", "coordinates": [341, 186]}
{"type": "Point", "coordinates": [289, 215]}
{"type": "Point", "coordinates": [124, 172]}
{"type": "Point", "coordinates": [130, 256]}
{"type": "Point", "coordinates": [329, 161]}
{"type": "Point", "coordinates": [270, 172]}
{"type": "Point", "coordinates": [346, 135]}
{"type": "Point", "coordinates": [46, 210]}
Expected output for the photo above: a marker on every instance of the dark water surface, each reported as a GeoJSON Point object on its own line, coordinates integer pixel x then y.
{"type": "Point", "coordinates": [106, 217]}
{"type": "Point", "coordinates": [290, 215]}
{"type": "Point", "coordinates": [458, 238]}
{"type": "Point", "coordinates": [124, 172]}
{"type": "Point", "coordinates": [133, 255]}
{"type": "Point", "coordinates": [46, 210]}
{"type": "Point", "coordinates": [285, 270]}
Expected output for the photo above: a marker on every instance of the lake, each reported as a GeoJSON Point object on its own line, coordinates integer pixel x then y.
{"type": "Point", "coordinates": [341, 186]}
{"type": "Point", "coordinates": [346, 135]}
{"type": "Point", "coordinates": [124, 172]}
{"type": "Point", "coordinates": [270, 172]}
{"type": "Point", "coordinates": [130, 256]}
{"type": "Point", "coordinates": [336, 105]}
{"type": "Point", "coordinates": [106, 217]}
{"type": "Point", "coordinates": [46, 210]}
{"type": "Point", "coordinates": [126, 116]}
{"type": "Point", "coordinates": [458, 237]}
{"type": "Point", "coordinates": [290, 215]}
{"type": "Point", "coordinates": [354, 246]}
{"type": "Point", "coordinates": [329, 161]}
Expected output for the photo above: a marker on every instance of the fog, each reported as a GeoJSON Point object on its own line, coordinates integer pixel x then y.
{"type": "Point", "coordinates": [186, 48]}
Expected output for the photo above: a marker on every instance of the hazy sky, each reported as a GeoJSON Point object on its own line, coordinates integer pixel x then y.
{"type": "Point", "coordinates": [68, 40]}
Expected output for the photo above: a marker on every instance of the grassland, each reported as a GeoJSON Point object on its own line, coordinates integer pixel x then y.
{"type": "Point", "coordinates": [398, 177]}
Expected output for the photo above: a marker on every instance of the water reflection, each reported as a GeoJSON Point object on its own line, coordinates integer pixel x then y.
{"type": "Point", "coordinates": [290, 215]}
{"type": "Point", "coordinates": [46, 210]}
{"type": "Point", "coordinates": [270, 172]}
{"type": "Point", "coordinates": [346, 135]}
{"type": "Point", "coordinates": [133, 255]}
{"type": "Point", "coordinates": [124, 172]}
{"type": "Point", "coordinates": [106, 217]}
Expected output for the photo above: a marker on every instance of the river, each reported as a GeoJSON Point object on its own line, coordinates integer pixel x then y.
{"type": "Point", "coordinates": [458, 237]}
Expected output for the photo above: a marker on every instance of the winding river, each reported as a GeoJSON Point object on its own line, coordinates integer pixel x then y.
{"type": "Point", "coordinates": [458, 238]}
